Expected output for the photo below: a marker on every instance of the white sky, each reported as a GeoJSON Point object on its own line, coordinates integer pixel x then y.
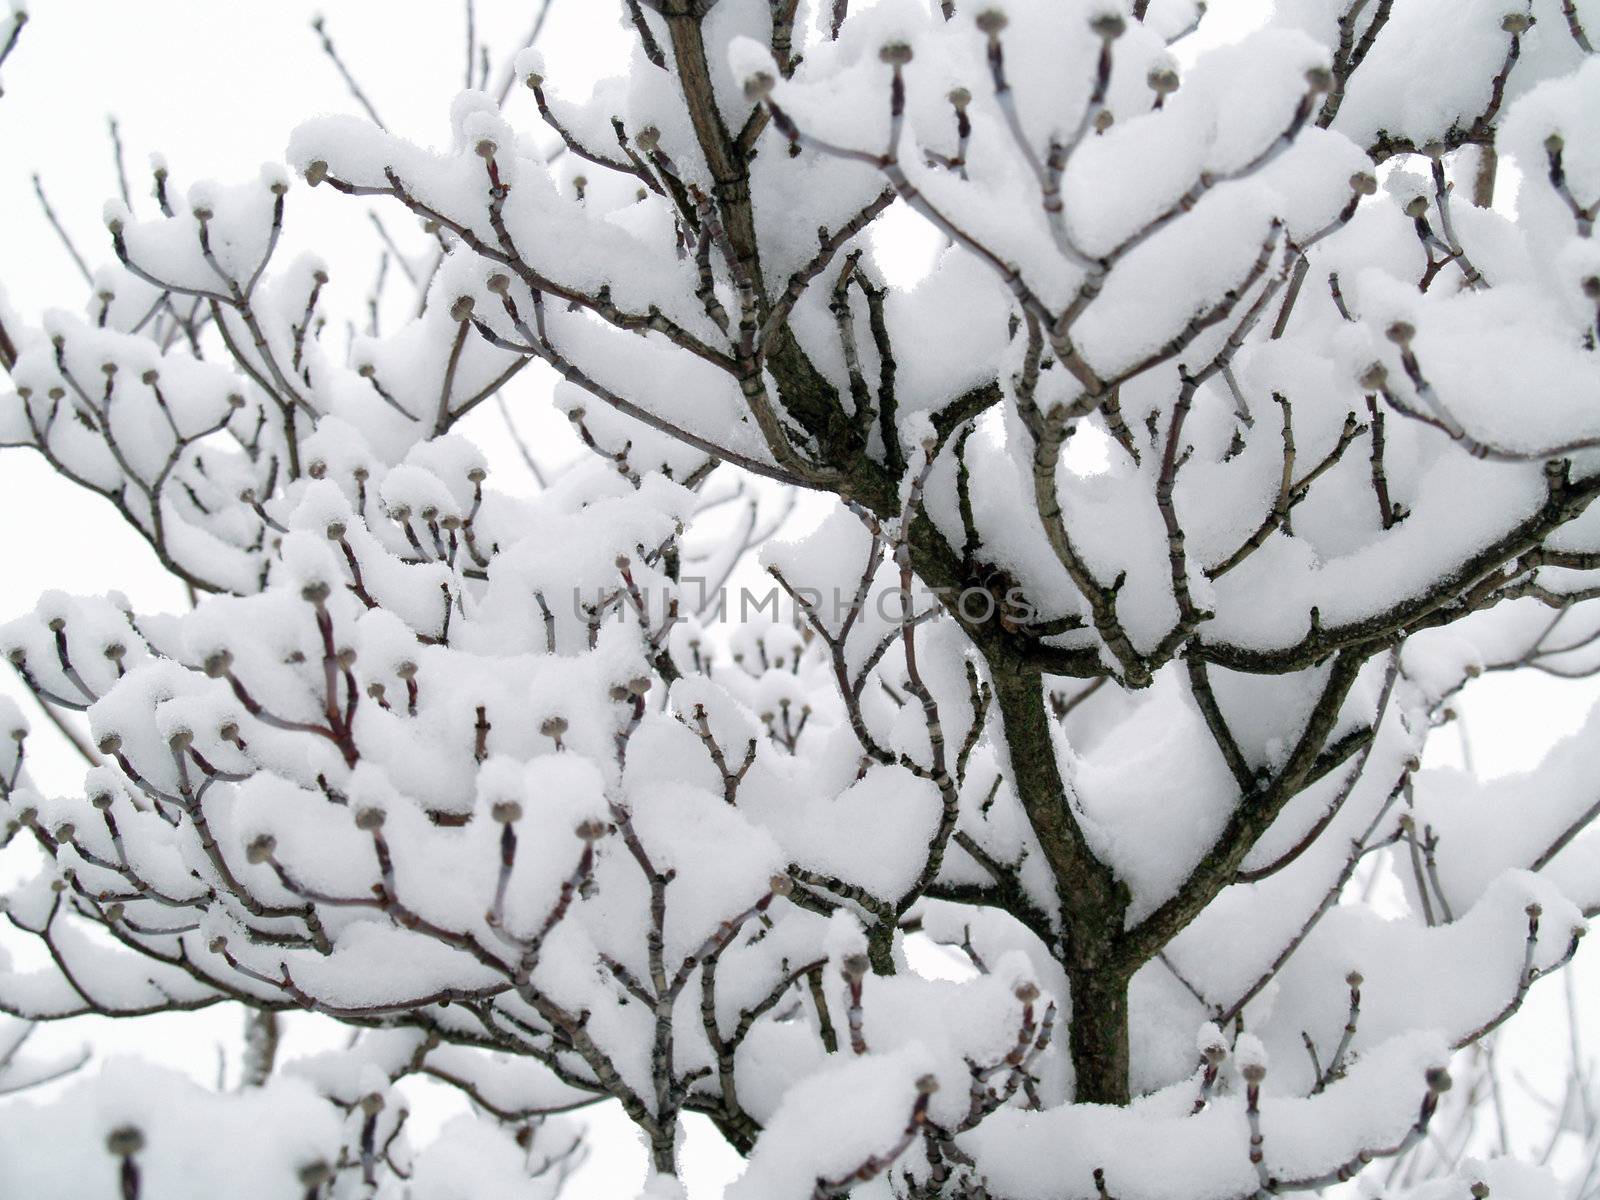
{"type": "Point", "coordinates": [216, 86]}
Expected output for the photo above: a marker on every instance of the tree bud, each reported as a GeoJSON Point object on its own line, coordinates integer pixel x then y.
{"type": "Point", "coordinates": [125, 1141]}
{"type": "Point", "coordinates": [369, 819]}
{"type": "Point", "coordinates": [314, 1175]}
{"type": "Point", "coordinates": [1108, 25]}
{"type": "Point", "coordinates": [991, 21]}
{"type": "Point", "coordinates": [758, 86]}
{"type": "Point", "coordinates": [506, 812]}
{"type": "Point", "coordinates": [261, 848]}
{"type": "Point", "coordinates": [896, 54]}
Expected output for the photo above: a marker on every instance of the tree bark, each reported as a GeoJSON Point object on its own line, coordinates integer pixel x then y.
{"type": "Point", "coordinates": [1099, 1035]}
{"type": "Point", "coordinates": [1093, 902]}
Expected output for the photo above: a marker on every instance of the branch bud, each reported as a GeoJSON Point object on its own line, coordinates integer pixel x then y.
{"type": "Point", "coordinates": [758, 86]}
{"type": "Point", "coordinates": [125, 1141]}
{"type": "Point", "coordinates": [1108, 25]}
{"type": "Point", "coordinates": [1163, 81]}
{"type": "Point", "coordinates": [314, 1175]}
{"type": "Point", "coordinates": [991, 21]}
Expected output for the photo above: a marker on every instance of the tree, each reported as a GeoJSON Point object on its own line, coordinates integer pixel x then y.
{"type": "Point", "coordinates": [1224, 444]}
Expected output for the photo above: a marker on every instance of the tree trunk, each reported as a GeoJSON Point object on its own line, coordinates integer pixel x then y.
{"type": "Point", "coordinates": [1099, 1035]}
{"type": "Point", "coordinates": [1093, 902]}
